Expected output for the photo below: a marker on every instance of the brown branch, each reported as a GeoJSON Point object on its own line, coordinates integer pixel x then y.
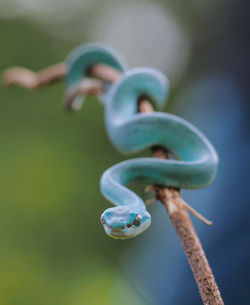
{"type": "Point", "coordinates": [28, 79]}
{"type": "Point", "coordinates": [85, 87]}
{"type": "Point", "coordinates": [31, 80]}
{"type": "Point", "coordinates": [106, 73]}
{"type": "Point", "coordinates": [202, 272]}
{"type": "Point", "coordinates": [170, 197]}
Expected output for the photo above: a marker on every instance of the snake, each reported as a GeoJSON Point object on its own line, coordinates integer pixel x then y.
{"type": "Point", "coordinates": [195, 161]}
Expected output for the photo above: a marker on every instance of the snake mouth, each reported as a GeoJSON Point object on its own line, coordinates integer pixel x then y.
{"type": "Point", "coordinates": [116, 233]}
{"type": "Point", "coordinates": [119, 235]}
{"type": "Point", "coordinates": [111, 230]}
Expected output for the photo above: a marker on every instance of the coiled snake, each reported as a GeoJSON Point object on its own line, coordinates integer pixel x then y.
{"type": "Point", "coordinates": [195, 162]}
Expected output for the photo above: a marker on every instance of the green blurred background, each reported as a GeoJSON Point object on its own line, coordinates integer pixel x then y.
{"type": "Point", "coordinates": [52, 247]}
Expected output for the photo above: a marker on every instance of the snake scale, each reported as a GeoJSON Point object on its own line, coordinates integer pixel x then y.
{"type": "Point", "coordinates": [195, 162]}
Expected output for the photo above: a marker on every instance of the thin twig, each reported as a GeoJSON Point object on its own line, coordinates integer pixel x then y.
{"type": "Point", "coordinates": [202, 272]}
{"type": "Point", "coordinates": [85, 87]}
{"type": "Point", "coordinates": [197, 214]}
{"type": "Point", "coordinates": [104, 72]}
{"type": "Point", "coordinates": [28, 79]}
{"type": "Point", "coordinates": [176, 207]}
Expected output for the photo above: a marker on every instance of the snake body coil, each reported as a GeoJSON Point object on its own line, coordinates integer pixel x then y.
{"type": "Point", "coordinates": [196, 160]}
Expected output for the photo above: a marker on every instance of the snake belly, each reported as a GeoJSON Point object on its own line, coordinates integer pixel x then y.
{"type": "Point", "coordinates": [195, 163]}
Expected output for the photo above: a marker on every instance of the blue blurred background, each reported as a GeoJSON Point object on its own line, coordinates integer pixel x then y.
{"type": "Point", "coordinates": [53, 248]}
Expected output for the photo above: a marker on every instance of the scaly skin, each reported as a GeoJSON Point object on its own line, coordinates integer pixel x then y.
{"type": "Point", "coordinates": [196, 159]}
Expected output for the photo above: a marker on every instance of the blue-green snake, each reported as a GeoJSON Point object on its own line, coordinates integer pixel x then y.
{"type": "Point", "coordinates": [195, 162]}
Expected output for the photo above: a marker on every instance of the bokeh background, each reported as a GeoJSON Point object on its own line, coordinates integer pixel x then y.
{"type": "Point", "coordinates": [52, 247]}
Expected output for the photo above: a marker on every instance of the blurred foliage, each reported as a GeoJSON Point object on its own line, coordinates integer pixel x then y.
{"type": "Point", "coordinates": [53, 248]}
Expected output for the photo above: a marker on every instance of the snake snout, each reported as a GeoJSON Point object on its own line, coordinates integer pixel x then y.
{"type": "Point", "coordinates": [115, 230]}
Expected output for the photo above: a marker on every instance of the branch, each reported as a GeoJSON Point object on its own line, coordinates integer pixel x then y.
{"type": "Point", "coordinates": [30, 80]}
{"type": "Point", "coordinates": [202, 272]}
{"type": "Point", "coordinates": [90, 87]}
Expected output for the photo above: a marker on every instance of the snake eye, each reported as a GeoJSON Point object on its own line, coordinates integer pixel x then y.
{"type": "Point", "coordinates": [137, 220]}
{"type": "Point", "coordinates": [103, 219]}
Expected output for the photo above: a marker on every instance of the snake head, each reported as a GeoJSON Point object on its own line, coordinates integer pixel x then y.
{"type": "Point", "coordinates": [125, 222]}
